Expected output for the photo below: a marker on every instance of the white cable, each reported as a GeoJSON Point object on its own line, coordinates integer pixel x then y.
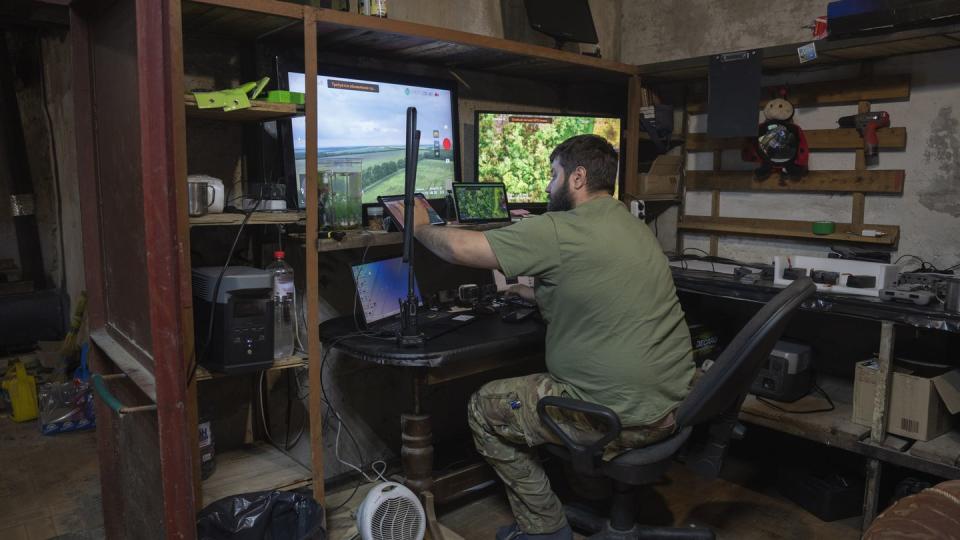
{"type": "Point", "coordinates": [296, 323]}
{"type": "Point", "coordinates": [263, 416]}
{"type": "Point", "coordinates": [373, 465]}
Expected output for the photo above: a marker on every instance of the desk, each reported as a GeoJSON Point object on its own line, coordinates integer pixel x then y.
{"type": "Point", "coordinates": [939, 456]}
{"type": "Point", "coordinates": [482, 345]}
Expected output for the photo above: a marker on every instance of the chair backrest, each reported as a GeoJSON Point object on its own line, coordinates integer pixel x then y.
{"type": "Point", "coordinates": [730, 376]}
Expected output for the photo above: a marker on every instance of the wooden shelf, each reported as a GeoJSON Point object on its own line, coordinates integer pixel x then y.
{"type": "Point", "coordinates": [359, 35]}
{"type": "Point", "coordinates": [829, 51]}
{"type": "Point", "coordinates": [894, 138]}
{"type": "Point", "coordinates": [837, 92]}
{"type": "Point", "coordinates": [363, 238]}
{"type": "Point", "coordinates": [833, 428]}
{"type": "Point", "coordinates": [845, 232]}
{"type": "Point", "coordinates": [939, 456]}
{"type": "Point", "coordinates": [258, 218]}
{"type": "Point", "coordinates": [259, 111]}
{"type": "Point", "coordinates": [654, 198]}
{"type": "Point", "coordinates": [360, 239]}
{"type": "Point", "coordinates": [282, 363]}
{"type": "Point", "coordinates": [258, 467]}
{"type": "Point", "coordinates": [867, 181]}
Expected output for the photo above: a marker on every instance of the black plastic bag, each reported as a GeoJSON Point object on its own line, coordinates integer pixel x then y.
{"type": "Point", "coordinates": [267, 515]}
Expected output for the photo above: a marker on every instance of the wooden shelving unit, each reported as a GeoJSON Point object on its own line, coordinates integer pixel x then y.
{"type": "Point", "coordinates": [257, 467]}
{"type": "Point", "coordinates": [859, 182]}
{"type": "Point", "coordinates": [258, 218]}
{"type": "Point", "coordinates": [259, 111]}
{"type": "Point", "coordinates": [353, 36]}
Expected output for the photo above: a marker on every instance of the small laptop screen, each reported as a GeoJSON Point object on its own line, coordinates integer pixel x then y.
{"type": "Point", "coordinates": [479, 203]}
{"type": "Point", "coordinates": [380, 286]}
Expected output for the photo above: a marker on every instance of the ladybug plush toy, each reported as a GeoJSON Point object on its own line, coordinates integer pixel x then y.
{"type": "Point", "coordinates": [780, 143]}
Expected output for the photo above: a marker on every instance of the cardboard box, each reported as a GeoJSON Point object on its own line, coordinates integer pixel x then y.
{"type": "Point", "coordinates": [921, 405]}
{"type": "Point", "coordinates": [663, 178]}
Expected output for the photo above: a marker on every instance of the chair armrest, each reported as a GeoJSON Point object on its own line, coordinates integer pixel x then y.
{"type": "Point", "coordinates": [582, 456]}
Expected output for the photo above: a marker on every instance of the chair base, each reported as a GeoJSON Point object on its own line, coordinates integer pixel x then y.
{"type": "Point", "coordinates": [654, 533]}
{"type": "Point", "coordinates": [583, 520]}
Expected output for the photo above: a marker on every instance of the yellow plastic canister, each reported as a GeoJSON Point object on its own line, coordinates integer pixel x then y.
{"type": "Point", "coordinates": [22, 389]}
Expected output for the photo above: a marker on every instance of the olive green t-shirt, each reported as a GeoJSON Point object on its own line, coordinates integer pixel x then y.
{"type": "Point", "coordinates": [615, 331]}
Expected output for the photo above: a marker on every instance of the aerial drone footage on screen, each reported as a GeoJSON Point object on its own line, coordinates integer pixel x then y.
{"type": "Point", "coordinates": [360, 124]}
{"type": "Point", "coordinates": [514, 148]}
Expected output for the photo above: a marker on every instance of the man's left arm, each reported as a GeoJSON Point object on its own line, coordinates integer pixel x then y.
{"type": "Point", "coordinates": [457, 246]}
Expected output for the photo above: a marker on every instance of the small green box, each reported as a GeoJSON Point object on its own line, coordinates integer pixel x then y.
{"type": "Point", "coordinates": [824, 227]}
{"type": "Point", "coordinates": [285, 96]}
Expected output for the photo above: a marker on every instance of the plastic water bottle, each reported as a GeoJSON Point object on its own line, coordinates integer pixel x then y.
{"type": "Point", "coordinates": [283, 309]}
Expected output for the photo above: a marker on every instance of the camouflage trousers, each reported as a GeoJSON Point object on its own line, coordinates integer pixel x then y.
{"type": "Point", "coordinates": [503, 418]}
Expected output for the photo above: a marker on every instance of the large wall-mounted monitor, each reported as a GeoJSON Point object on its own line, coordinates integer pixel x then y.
{"type": "Point", "coordinates": [361, 125]}
{"type": "Point", "coordinates": [514, 148]}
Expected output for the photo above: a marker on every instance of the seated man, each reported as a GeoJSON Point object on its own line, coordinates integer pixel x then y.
{"type": "Point", "coordinates": [616, 334]}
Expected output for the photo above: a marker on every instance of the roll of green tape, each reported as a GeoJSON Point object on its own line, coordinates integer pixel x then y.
{"type": "Point", "coordinates": [824, 227]}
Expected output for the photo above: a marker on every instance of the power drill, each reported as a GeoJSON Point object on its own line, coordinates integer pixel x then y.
{"type": "Point", "coordinates": [867, 124]}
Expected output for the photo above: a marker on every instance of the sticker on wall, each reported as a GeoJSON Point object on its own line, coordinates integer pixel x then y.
{"type": "Point", "coordinates": [807, 52]}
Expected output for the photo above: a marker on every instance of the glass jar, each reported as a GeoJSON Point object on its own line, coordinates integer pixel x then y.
{"type": "Point", "coordinates": [341, 193]}
{"type": "Point", "coordinates": [375, 218]}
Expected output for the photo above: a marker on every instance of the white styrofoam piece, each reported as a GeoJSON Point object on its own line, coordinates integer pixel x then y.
{"type": "Point", "coordinates": [886, 274]}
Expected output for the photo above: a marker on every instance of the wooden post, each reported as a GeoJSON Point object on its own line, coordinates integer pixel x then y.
{"type": "Point", "coordinates": [312, 280]}
{"type": "Point", "coordinates": [179, 139]}
{"type": "Point", "coordinates": [878, 427]}
{"type": "Point", "coordinates": [631, 178]}
{"type": "Point", "coordinates": [715, 202]}
{"type": "Point", "coordinates": [861, 165]}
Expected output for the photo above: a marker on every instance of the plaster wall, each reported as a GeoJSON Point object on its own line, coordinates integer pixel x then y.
{"type": "Point", "coordinates": [661, 30]}
{"type": "Point", "coordinates": [506, 19]}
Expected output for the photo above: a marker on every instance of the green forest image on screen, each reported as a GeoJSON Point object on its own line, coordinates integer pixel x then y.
{"type": "Point", "coordinates": [479, 203]}
{"type": "Point", "coordinates": [515, 148]}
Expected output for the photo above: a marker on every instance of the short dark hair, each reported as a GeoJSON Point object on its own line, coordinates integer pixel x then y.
{"type": "Point", "coordinates": [595, 154]}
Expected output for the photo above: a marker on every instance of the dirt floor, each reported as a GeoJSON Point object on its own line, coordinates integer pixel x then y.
{"type": "Point", "coordinates": [49, 485]}
{"type": "Point", "coordinates": [49, 488]}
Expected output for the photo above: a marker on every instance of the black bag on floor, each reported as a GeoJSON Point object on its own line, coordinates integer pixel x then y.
{"type": "Point", "coordinates": [267, 515]}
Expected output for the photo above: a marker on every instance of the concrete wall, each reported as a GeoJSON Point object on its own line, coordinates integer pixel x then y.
{"type": "Point", "coordinates": [660, 30]}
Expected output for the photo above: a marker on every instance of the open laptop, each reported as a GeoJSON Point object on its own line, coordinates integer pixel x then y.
{"type": "Point", "coordinates": [381, 285]}
{"type": "Point", "coordinates": [481, 202]}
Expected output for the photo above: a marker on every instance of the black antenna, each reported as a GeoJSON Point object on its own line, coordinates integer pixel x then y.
{"type": "Point", "coordinates": [409, 335]}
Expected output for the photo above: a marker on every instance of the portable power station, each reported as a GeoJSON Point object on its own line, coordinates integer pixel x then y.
{"type": "Point", "coordinates": [242, 338]}
{"type": "Point", "coordinates": [787, 375]}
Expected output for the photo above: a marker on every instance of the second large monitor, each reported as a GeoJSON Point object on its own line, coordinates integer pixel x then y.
{"type": "Point", "coordinates": [514, 148]}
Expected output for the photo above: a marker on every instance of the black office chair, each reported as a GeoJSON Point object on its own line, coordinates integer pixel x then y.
{"type": "Point", "coordinates": [711, 407]}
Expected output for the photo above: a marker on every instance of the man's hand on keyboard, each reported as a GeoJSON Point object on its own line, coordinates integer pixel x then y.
{"type": "Point", "coordinates": [523, 291]}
